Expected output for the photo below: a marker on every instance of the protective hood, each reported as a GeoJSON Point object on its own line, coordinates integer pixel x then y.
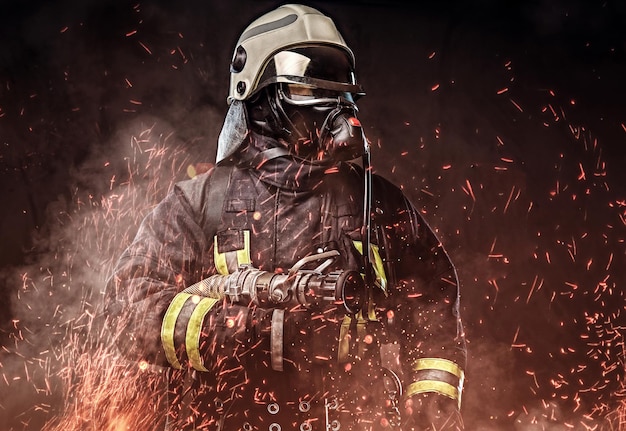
{"type": "Point", "coordinates": [271, 163]}
{"type": "Point", "coordinates": [234, 131]}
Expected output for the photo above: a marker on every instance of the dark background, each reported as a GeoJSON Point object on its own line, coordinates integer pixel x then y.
{"type": "Point", "coordinates": [504, 122]}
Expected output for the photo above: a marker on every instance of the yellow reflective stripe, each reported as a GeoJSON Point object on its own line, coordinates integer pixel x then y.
{"type": "Point", "coordinates": [219, 259]}
{"type": "Point", "coordinates": [243, 255]}
{"type": "Point", "coordinates": [358, 245]}
{"type": "Point", "coordinates": [194, 328]}
{"type": "Point", "coordinates": [370, 313]}
{"type": "Point", "coordinates": [364, 315]}
{"type": "Point", "coordinates": [344, 340]}
{"type": "Point", "coordinates": [344, 337]}
{"type": "Point", "coordinates": [438, 364]}
{"type": "Point", "coordinates": [379, 268]}
{"type": "Point", "coordinates": [168, 326]}
{"type": "Point", "coordinates": [361, 332]}
{"type": "Point", "coordinates": [439, 387]}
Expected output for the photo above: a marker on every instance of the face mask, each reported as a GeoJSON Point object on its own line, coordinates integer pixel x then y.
{"type": "Point", "coordinates": [322, 124]}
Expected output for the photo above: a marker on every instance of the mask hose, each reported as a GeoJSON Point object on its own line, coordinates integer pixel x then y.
{"type": "Point", "coordinates": [366, 234]}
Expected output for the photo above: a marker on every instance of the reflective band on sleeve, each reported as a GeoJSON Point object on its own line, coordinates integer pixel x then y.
{"type": "Point", "coordinates": [424, 386]}
{"type": "Point", "coordinates": [168, 326]}
{"type": "Point", "coordinates": [194, 329]}
{"type": "Point", "coordinates": [444, 388]}
{"type": "Point", "coordinates": [438, 364]}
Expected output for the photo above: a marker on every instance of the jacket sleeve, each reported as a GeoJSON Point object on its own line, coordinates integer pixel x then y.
{"type": "Point", "coordinates": [423, 316]}
{"type": "Point", "coordinates": [166, 255]}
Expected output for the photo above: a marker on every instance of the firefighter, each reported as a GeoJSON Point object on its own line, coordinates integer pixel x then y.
{"type": "Point", "coordinates": [289, 288]}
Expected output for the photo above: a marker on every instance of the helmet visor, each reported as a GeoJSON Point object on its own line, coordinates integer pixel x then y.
{"type": "Point", "coordinates": [321, 67]}
{"type": "Point", "coordinates": [305, 95]}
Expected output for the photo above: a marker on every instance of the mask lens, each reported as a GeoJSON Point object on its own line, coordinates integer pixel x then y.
{"type": "Point", "coordinates": [296, 94]}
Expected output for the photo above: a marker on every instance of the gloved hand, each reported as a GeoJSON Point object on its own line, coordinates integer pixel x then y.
{"type": "Point", "coordinates": [431, 412]}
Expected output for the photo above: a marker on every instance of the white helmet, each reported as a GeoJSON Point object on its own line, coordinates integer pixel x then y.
{"type": "Point", "coordinates": [273, 49]}
{"type": "Point", "coordinates": [292, 44]}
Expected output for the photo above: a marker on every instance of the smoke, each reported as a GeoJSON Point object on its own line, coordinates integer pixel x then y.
{"type": "Point", "coordinates": [105, 105]}
{"type": "Point", "coordinates": [93, 166]}
{"type": "Point", "coordinates": [58, 343]}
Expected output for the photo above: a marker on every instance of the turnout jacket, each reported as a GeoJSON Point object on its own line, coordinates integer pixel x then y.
{"type": "Point", "coordinates": [233, 365]}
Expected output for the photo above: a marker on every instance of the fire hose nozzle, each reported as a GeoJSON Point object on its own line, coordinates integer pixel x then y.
{"type": "Point", "coordinates": [313, 288]}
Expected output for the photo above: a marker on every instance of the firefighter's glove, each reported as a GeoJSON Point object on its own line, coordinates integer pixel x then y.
{"type": "Point", "coordinates": [431, 412]}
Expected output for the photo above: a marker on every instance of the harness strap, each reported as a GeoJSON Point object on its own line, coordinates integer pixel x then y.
{"type": "Point", "coordinates": [276, 339]}
{"type": "Point", "coordinates": [218, 189]}
{"type": "Point", "coordinates": [209, 210]}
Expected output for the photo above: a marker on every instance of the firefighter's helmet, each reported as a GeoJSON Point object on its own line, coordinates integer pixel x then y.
{"type": "Point", "coordinates": [291, 45]}
{"type": "Point", "coordinates": [292, 78]}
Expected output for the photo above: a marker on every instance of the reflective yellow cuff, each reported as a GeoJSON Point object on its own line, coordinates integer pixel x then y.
{"type": "Point", "coordinates": [194, 329]}
{"type": "Point", "coordinates": [424, 386]}
{"type": "Point", "coordinates": [439, 364]}
{"type": "Point", "coordinates": [440, 387]}
{"type": "Point", "coordinates": [168, 326]}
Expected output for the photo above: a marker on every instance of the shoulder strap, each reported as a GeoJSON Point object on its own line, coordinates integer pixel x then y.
{"type": "Point", "coordinates": [207, 200]}
{"type": "Point", "coordinates": [218, 189]}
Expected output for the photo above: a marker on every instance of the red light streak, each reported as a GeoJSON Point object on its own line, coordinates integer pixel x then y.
{"type": "Point", "coordinates": [145, 48]}
{"type": "Point", "coordinates": [469, 190]}
{"type": "Point", "coordinates": [519, 108]}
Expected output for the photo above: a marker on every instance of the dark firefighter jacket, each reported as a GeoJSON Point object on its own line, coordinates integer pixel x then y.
{"type": "Point", "coordinates": [332, 367]}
